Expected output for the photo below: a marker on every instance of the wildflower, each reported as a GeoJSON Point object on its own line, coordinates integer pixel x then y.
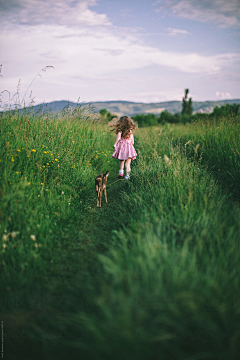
{"type": "Point", "coordinates": [43, 165]}
{"type": "Point", "coordinates": [36, 245]}
{"type": "Point", "coordinates": [51, 154]}
{"type": "Point", "coordinates": [34, 150]}
{"type": "Point", "coordinates": [33, 237]}
{"type": "Point", "coordinates": [17, 172]}
{"type": "Point", "coordinates": [167, 160]}
{"type": "Point", "coordinates": [56, 159]}
{"type": "Point", "coordinates": [45, 152]}
{"type": "Point", "coordinates": [29, 183]}
{"type": "Point", "coordinates": [4, 237]}
{"type": "Point", "coordinates": [47, 163]}
{"type": "Point", "coordinates": [4, 246]}
{"type": "Point", "coordinates": [62, 192]}
{"type": "Point", "coordinates": [14, 234]}
{"type": "Point", "coordinates": [42, 145]}
{"type": "Point", "coordinates": [12, 159]}
{"type": "Point", "coordinates": [41, 183]}
{"type": "Point", "coordinates": [18, 150]}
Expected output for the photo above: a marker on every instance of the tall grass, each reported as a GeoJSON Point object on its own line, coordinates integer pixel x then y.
{"type": "Point", "coordinates": [153, 274]}
{"type": "Point", "coordinates": [219, 149]}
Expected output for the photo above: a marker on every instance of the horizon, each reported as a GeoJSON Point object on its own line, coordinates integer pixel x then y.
{"type": "Point", "coordinates": [99, 50]}
{"type": "Point", "coordinates": [142, 102]}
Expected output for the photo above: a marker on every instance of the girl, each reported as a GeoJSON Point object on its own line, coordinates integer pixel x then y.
{"type": "Point", "coordinates": [124, 149]}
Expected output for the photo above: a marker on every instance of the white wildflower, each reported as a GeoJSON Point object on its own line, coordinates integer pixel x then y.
{"type": "Point", "coordinates": [4, 237]}
{"type": "Point", "coordinates": [167, 160]}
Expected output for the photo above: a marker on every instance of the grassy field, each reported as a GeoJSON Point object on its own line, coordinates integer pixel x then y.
{"type": "Point", "coordinates": [153, 274]}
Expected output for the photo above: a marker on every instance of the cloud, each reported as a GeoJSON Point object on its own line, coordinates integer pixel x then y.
{"type": "Point", "coordinates": [175, 32]}
{"type": "Point", "coordinates": [36, 12]}
{"type": "Point", "coordinates": [222, 12]}
{"type": "Point", "coordinates": [223, 95]}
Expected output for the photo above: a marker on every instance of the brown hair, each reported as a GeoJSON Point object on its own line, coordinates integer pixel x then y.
{"type": "Point", "coordinates": [124, 124]}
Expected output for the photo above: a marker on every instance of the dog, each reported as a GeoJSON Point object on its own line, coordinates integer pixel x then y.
{"type": "Point", "coordinates": [101, 184]}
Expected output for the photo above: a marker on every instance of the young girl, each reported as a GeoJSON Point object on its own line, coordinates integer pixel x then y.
{"type": "Point", "coordinates": [124, 149]}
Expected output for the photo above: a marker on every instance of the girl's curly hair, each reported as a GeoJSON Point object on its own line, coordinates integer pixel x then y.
{"type": "Point", "coordinates": [124, 124]}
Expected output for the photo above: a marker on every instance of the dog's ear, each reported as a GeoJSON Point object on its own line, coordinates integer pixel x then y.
{"type": "Point", "coordinates": [107, 173]}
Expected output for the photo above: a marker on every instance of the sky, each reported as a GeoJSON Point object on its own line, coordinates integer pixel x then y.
{"type": "Point", "coordinates": [132, 50]}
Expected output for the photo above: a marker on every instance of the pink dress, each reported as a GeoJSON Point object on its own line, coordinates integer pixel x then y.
{"type": "Point", "coordinates": [124, 149]}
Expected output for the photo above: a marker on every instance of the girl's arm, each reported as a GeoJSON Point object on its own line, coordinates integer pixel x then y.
{"type": "Point", "coordinates": [132, 139]}
{"type": "Point", "coordinates": [117, 139]}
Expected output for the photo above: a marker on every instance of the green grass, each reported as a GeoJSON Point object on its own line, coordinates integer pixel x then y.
{"type": "Point", "coordinates": [216, 144]}
{"type": "Point", "coordinates": [152, 274]}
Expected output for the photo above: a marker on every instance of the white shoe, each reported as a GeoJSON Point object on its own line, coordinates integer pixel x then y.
{"type": "Point", "coordinates": [127, 177]}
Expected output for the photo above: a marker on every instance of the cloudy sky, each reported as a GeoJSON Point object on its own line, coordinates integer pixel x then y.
{"type": "Point", "coordinates": [134, 50]}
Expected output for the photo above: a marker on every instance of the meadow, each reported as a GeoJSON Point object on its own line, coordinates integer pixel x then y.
{"type": "Point", "coordinates": [153, 274]}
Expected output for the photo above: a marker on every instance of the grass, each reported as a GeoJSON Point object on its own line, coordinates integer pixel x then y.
{"type": "Point", "coordinates": [152, 274]}
{"type": "Point", "coordinates": [218, 150]}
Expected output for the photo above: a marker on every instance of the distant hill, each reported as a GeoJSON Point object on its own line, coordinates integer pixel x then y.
{"type": "Point", "coordinates": [133, 108]}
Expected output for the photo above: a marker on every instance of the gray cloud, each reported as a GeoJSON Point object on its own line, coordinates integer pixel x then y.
{"type": "Point", "coordinates": [51, 12]}
{"type": "Point", "coordinates": [222, 12]}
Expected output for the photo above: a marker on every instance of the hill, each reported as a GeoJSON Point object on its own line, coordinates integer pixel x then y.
{"type": "Point", "coordinates": [133, 108]}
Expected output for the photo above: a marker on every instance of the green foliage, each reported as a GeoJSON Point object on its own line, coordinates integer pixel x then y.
{"type": "Point", "coordinates": [219, 145]}
{"type": "Point", "coordinates": [153, 274]}
{"type": "Point", "coordinates": [103, 112]}
{"type": "Point", "coordinates": [145, 119]}
{"type": "Point", "coordinates": [106, 116]}
{"type": "Point", "coordinates": [187, 104]}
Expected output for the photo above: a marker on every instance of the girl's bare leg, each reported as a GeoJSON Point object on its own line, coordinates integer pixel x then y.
{"type": "Point", "coordinates": [127, 166]}
{"type": "Point", "coordinates": [121, 164]}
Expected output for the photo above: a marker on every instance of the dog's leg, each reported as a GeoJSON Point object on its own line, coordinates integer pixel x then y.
{"type": "Point", "coordinates": [97, 194]}
{"type": "Point", "coordinates": [100, 197]}
{"type": "Point", "coordinates": [105, 193]}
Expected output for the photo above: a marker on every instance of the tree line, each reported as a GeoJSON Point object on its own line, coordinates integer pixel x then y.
{"type": "Point", "coordinates": [184, 117]}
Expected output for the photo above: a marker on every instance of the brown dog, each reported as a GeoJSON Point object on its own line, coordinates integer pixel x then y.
{"type": "Point", "coordinates": [101, 184]}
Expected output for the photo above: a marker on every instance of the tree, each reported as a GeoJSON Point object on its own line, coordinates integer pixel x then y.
{"type": "Point", "coordinates": [187, 104]}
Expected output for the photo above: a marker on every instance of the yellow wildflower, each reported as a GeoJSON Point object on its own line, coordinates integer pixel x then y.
{"type": "Point", "coordinates": [45, 152]}
{"type": "Point", "coordinates": [34, 150]}
{"type": "Point", "coordinates": [12, 159]}
{"type": "Point", "coordinates": [41, 183]}
{"type": "Point", "coordinates": [47, 163]}
{"type": "Point", "coordinates": [18, 150]}
{"type": "Point", "coordinates": [29, 183]}
{"type": "Point", "coordinates": [17, 172]}
{"type": "Point", "coordinates": [28, 155]}
{"type": "Point", "coordinates": [56, 159]}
